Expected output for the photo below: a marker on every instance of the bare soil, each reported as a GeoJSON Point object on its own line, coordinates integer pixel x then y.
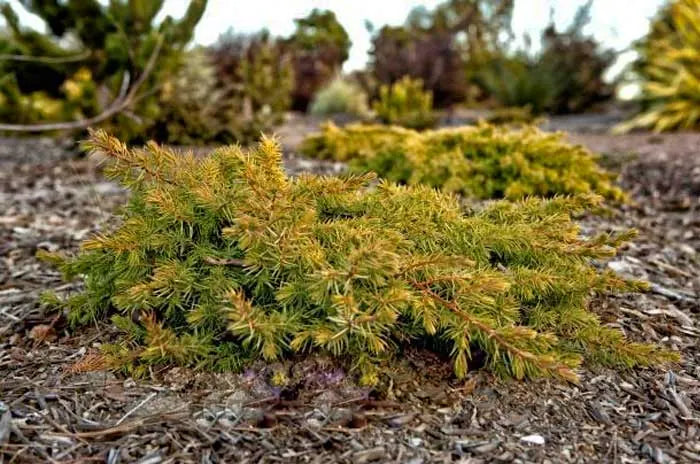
{"type": "Point", "coordinates": [55, 408]}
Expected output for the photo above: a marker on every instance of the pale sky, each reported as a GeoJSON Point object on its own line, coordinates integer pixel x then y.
{"type": "Point", "coordinates": [616, 23]}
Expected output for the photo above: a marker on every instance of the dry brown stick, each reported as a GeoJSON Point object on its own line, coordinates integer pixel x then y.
{"type": "Point", "coordinates": [126, 426]}
{"type": "Point", "coordinates": [47, 59]}
{"type": "Point", "coordinates": [118, 105]}
{"type": "Point", "coordinates": [224, 262]}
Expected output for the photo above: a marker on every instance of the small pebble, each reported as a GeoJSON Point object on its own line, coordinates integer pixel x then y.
{"type": "Point", "coordinates": [534, 439]}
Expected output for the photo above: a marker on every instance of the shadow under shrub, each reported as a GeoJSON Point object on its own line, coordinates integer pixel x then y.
{"type": "Point", "coordinates": [483, 161]}
{"type": "Point", "coordinates": [222, 260]}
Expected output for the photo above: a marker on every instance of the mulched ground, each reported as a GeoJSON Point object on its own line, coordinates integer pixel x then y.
{"type": "Point", "coordinates": [53, 408]}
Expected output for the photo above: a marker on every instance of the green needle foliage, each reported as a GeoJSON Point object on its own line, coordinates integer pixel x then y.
{"type": "Point", "coordinates": [224, 259]}
{"type": "Point", "coordinates": [484, 161]}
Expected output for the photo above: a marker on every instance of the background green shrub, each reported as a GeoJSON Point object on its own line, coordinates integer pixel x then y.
{"type": "Point", "coordinates": [406, 104]}
{"type": "Point", "coordinates": [76, 99]}
{"type": "Point", "coordinates": [485, 161]}
{"type": "Point", "coordinates": [222, 260]}
{"type": "Point", "coordinates": [255, 79]}
{"type": "Point", "coordinates": [190, 104]}
{"type": "Point", "coordinates": [444, 47]}
{"type": "Point", "coordinates": [340, 96]}
{"type": "Point", "coordinates": [319, 46]}
{"type": "Point", "coordinates": [566, 76]}
{"type": "Point", "coordinates": [669, 69]}
{"type": "Point", "coordinates": [519, 81]}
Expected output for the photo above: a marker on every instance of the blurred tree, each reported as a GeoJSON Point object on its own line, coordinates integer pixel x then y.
{"type": "Point", "coordinates": [579, 63]}
{"type": "Point", "coordinates": [319, 46]}
{"type": "Point", "coordinates": [256, 79]}
{"type": "Point", "coordinates": [566, 76]}
{"type": "Point", "coordinates": [443, 47]}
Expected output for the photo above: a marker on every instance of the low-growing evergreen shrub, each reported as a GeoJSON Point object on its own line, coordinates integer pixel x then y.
{"type": "Point", "coordinates": [406, 104]}
{"type": "Point", "coordinates": [340, 96]}
{"type": "Point", "coordinates": [224, 259]}
{"type": "Point", "coordinates": [483, 161]}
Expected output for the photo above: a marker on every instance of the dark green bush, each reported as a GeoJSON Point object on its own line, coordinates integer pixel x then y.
{"type": "Point", "coordinates": [520, 81]}
{"type": "Point", "coordinates": [484, 161]}
{"type": "Point", "coordinates": [224, 259]}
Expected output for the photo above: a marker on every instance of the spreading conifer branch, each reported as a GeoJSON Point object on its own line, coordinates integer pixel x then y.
{"type": "Point", "coordinates": [226, 259]}
{"type": "Point", "coordinates": [546, 364]}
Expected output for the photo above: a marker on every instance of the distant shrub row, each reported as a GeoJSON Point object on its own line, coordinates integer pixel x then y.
{"type": "Point", "coordinates": [455, 53]}
{"type": "Point", "coordinates": [462, 51]}
{"type": "Point", "coordinates": [123, 70]}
